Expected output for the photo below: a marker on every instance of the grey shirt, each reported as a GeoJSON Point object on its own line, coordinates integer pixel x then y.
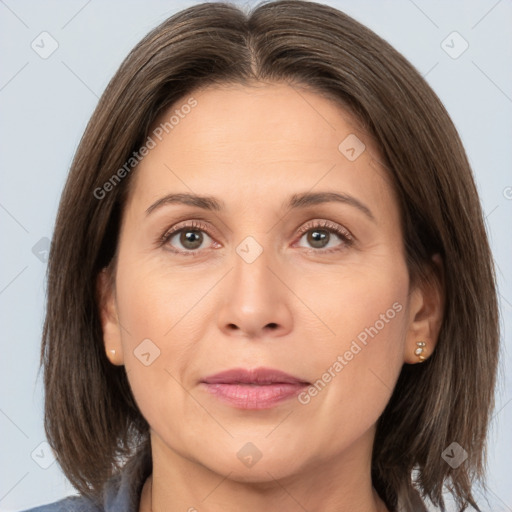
{"type": "Point", "coordinates": [122, 492]}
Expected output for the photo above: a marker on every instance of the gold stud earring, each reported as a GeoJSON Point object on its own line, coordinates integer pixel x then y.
{"type": "Point", "coordinates": [111, 354]}
{"type": "Point", "coordinates": [420, 350]}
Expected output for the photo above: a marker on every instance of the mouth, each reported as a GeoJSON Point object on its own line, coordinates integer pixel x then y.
{"type": "Point", "coordinates": [259, 388]}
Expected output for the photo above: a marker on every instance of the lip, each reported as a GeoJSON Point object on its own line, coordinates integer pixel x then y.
{"type": "Point", "coordinates": [258, 388]}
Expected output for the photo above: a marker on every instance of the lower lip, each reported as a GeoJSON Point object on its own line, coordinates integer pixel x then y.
{"type": "Point", "coordinates": [251, 396]}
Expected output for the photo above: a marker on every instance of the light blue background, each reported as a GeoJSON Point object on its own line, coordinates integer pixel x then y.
{"type": "Point", "coordinates": [46, 103]}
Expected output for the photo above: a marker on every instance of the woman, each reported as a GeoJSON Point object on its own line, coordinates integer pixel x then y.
{"type": "Point", "coordinates": [270, 286]}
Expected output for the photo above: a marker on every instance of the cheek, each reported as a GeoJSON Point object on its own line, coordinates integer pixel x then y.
{"type": "Point", "coordinates": [152, 298]}
{"type": "Point", "coordinates": [357, 368]}
{"type": "Point", "coordinates": [364, 302]}
{"type": "Point", "coordinates": [155, 330]}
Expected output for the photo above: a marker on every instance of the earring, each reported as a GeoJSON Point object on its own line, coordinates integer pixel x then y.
{"type": "Point", "coordinates": [420, 350]}
{"type": "Point", "coordinates": [111, 354]}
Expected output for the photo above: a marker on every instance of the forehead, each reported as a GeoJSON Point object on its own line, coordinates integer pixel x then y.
{"type": "Point", "coordinates": [222, 139]}
{"type": "Point", "coordinates": [255, 114]}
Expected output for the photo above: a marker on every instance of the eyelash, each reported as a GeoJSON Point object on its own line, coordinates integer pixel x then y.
{"type": "Point", "coordinates": [341, 232]}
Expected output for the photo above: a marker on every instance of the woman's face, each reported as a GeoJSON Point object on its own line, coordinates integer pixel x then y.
{"type": "Point", "coordinates": [295, 264]}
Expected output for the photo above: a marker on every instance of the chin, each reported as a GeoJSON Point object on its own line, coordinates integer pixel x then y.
{"type": "Point", "coordinates": [262, 474]}
{"type": "Point", "coordinates": [270, 466]}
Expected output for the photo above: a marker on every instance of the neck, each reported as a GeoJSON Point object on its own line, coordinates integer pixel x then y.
{"type": "Point", "coordinates": [340, 484]}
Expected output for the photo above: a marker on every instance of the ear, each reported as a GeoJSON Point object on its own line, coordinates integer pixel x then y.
{"type": "Point", "coordinates": [111, 328]}
{"type": "Point", "coordinates": [426, 306]}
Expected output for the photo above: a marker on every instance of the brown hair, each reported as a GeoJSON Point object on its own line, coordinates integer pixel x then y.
{"type": "Point", "coordinates": [91, 418]}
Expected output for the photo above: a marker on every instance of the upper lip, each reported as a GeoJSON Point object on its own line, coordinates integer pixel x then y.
{"type": "Point", "coordinates": [259, 376]}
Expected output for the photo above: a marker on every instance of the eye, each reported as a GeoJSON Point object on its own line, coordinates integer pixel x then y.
{"type": "Point", "coordinates": [325, 236]}
{"type": "Point", "coordinates": [186, 239]}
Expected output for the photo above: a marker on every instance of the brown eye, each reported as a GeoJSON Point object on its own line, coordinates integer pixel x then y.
{"type": "Point", "coordinates": [191, 239]}
{"type": "Point", "coordinates": [187, 239]}
{"type": "Point", "coordinates": [325, 236]}
{"type": "Point", "coordinates": [318, 238]}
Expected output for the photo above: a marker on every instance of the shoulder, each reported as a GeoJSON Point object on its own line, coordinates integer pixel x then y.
{"type": "Point", "coordinates": [72, 504]}
{"type": "Point", "coordinates": [121, 493]}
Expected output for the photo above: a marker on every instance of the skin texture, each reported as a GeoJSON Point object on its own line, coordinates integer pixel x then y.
{"type": "Point", "coordinates": [295, 307]}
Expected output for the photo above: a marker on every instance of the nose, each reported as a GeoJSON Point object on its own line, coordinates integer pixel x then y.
{"type": "Point", "coordinates": [256, 300]}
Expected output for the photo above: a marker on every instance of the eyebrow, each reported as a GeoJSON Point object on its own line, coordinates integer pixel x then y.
{"type": "Point", "coordinates": [296, 201]}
